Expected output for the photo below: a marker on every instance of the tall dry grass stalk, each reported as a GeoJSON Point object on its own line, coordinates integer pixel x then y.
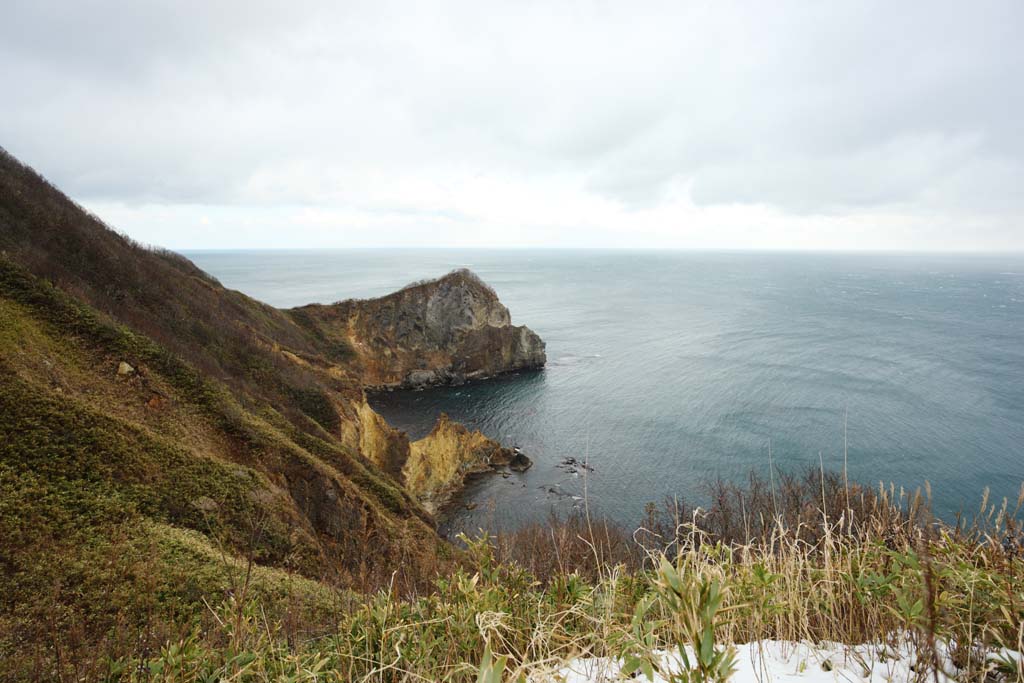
{"type": "Point", "coordinates": [797, 562]}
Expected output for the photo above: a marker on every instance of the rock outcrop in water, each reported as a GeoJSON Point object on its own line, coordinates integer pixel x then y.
{"type": "Point", "coordinates": [441, 331]}
{"type": "Point", "coordinates": [439, 463]}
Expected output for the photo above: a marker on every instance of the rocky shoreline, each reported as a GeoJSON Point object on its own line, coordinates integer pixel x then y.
{"type": "Point", "coordinates": [440, 463]}
{"type": "Point", "coordinates": [447, 331]}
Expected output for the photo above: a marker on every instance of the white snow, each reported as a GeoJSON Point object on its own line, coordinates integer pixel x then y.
{"type": "Point", "coordinates": [769, 661]}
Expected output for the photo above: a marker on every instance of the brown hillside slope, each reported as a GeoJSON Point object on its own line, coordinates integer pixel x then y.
{"type": "Point", "coordinates": [130, 498]}
{"type": "Point", "coordinates": [217, 376]}
{"type": "Point", "coordinates": [158, 431]}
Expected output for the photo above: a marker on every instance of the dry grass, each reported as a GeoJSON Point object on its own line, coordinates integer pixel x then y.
{"type": "Point", "coordinates": [534, 599]}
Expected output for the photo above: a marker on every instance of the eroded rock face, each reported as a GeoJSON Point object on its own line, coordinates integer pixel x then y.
{"type": "Point", "coordinates": [442, 331]}
{"type": "Point", "coordinates": [370, 434]}
{"type": "Point", "coordinates": [439, 463]}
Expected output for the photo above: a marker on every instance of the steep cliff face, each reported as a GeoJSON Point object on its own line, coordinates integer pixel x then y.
{"type": "Point", "coordinates": [442, 331]}
{"type": "Point", "coordinates": [382, 444]}
{"type": "Point", "coordinates": [440, 462]}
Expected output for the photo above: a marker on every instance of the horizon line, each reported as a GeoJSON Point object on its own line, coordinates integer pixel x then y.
{"type": "Point", "coordinates": [737, 250]}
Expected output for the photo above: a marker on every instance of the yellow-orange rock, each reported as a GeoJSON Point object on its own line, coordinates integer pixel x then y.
{"type": "Point", "coordinates": [439, 463]}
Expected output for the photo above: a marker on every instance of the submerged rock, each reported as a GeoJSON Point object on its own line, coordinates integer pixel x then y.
{"type": "Point", "coordinates": [574, 466]}
{"type": "Point", "coordinates": [519, 462]}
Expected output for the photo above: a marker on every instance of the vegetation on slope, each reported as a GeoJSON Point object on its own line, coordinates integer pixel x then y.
{"type": "Point", "coordinates": [128, 501]}
{"type": "Point", "coordinates": [157, 293]}
{"type": "Point", "coordinates": [891, 578]}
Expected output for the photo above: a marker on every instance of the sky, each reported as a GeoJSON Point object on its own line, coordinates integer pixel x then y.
{"type": "Point", "coordinates": [756, 125]}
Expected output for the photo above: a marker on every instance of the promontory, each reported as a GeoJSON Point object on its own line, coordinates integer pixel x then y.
{"type": "Point", "coordinates": [442, 331]}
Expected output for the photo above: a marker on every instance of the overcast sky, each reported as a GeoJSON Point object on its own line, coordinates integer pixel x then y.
{"type": "Point", "coordinates": [835, 125]}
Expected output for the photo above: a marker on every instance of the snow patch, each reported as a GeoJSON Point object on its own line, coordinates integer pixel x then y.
{"type": "Point", "coordinates": [769, 661]}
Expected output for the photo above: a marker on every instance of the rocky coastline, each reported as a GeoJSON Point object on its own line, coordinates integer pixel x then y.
{"type": "Point", "coordinates": [450, 330]}
{"type": "Point", "coordinates": [440, 463]}
{"type": "Point", "coordinates": [444, 331]}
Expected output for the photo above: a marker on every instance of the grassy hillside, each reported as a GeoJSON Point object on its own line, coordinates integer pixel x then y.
{"type": "Point", "coordinates": [148, 415]}
{"type": "Point", "coordinates": [257, 351]}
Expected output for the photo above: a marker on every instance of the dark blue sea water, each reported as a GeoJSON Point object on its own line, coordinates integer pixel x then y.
{"type": "Point", "coordinates": [667, 368]}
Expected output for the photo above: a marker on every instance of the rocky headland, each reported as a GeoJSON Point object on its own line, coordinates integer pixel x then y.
{"type": "Point", "coordinates": [439, 463]}
{"type": "Point", "coordinates": [442, 331]}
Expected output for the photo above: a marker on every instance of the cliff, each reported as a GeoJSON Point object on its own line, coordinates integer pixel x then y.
{"type": "Point", "coordinates": [144, 403]}
{"type": "Point", "coordinates": [441, 331]}
{"type": "Point", "coordinates": [439, 463]}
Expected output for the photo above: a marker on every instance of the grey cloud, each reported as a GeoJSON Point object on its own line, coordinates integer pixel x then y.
{"type": "Point", "coordinates": [805, 107]}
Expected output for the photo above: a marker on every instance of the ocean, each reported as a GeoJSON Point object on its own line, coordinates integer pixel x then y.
{"type": "Point", "coordinates": [667, 369]}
